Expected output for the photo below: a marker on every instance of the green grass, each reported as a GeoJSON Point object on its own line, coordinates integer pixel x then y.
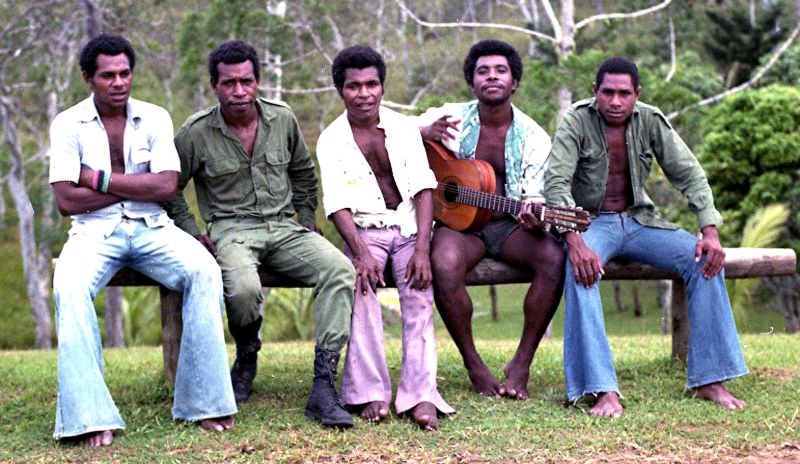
{"type": "Point", "coordinates": [661, 422]}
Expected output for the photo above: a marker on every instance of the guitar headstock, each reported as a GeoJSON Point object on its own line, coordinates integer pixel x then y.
{"type": "Point", "coordinates": [571, 218]}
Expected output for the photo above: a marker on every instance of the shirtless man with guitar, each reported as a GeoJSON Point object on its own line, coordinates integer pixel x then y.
{"type": "Point", "coordinates": [491, 129]}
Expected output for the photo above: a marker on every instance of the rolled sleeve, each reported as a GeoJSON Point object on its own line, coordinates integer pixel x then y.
{"type": "Point", "coordinates": [64, 152]}
{"type": "Point", "coordinates": [333, 175]}
{"type": "Point", "coordinates": [684, 172]}
{"type": "Point", "coordinates": [178, 208]}
{"type": "Point", "coordinates": [422, 176]}
{"type": "Point", "coordinates": [562, 163]}
{"type": "Point", "coordinates": [165, 156]}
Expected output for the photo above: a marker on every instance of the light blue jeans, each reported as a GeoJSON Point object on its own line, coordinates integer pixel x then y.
{"type": "Point", "coordinates": [178, 261]}
{"type": "Point", "coordinates": [714, 351]}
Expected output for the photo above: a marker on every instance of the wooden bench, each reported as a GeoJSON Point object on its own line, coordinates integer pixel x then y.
{"type": "Point", "coordinates": [739, 263]}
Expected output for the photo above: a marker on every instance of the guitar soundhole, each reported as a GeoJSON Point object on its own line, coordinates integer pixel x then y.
{"type": "Point", "coordinates": [450, 193]}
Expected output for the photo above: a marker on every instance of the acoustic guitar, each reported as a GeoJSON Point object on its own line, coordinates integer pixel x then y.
{"type": "Point", "coordinates": [465, 197]}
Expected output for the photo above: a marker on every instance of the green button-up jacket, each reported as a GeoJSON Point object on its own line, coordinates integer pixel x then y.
{"type": "Point", "coordinates": [277, 182]}
{"type": "Point", "coordinates": [578, 168]}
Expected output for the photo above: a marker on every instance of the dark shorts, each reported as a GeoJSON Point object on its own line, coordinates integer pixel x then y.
{"type": "Point", "coordinates": [495, 233]}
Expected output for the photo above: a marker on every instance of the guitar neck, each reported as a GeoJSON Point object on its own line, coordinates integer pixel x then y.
{"type": "Point", "coordinates": [490, 201]}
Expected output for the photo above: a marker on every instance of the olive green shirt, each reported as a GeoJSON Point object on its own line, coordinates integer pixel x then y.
{"type": "Point", "coordinates": [276, 183]}
{"type": "Point", "coordinates": [578, 168]}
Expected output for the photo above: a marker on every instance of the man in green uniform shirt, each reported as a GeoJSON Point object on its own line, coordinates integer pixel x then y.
{"type": "Point", "coordinates": [601, 157]}
{"type": "Point", "coordinates": [253, 175]}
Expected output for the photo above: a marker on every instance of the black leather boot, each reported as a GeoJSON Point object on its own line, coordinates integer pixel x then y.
{"type": "Point", "coordinates": [323, 403]}
{"type": "Point", "coordinates": [244, 368]}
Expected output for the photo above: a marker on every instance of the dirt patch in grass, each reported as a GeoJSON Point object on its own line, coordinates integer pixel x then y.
{"type": "Point", "coordinates": [786, 453]}
{"type": "Point", "coordinates": [780, 374]}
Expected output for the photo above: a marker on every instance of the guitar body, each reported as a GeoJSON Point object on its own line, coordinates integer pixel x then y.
{"type": "Point", "coordinates": [449, 170]}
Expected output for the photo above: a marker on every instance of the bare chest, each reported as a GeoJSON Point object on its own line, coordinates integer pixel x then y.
{"type": "Point", "coordinates": [492, 147]}
{"type": "Point", "coordinates": [372, 144]}
{"type": "Point", "coordinates": [115, 130]}
{"type": "Point", "coordinates": [617, 151]}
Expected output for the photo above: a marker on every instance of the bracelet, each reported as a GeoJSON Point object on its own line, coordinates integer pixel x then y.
{"type": "Point", "coordinates": [95, 179]}
{"type": "Point", "coordinates": [106, 181]}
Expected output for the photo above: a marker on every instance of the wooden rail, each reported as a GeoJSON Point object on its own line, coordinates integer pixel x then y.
{"type": "Point", "coordinates": [739, 263]}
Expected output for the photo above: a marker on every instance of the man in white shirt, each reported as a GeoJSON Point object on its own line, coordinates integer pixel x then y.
{"type": "Point", "coordinates": [112, 160]}
{"type": "Point", "coordinates": [377, 191]}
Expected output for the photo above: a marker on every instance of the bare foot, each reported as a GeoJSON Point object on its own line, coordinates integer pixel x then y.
{"type": "Point", "coordinates": [516, 384]}
{"type": "Point", "coordinates": [717, 393]}
{"type": "Point", "coordinates": [375, 411]}
{"type": "Point", "coordinates": [607, 405]}
{"type": "Point", "coordinates": [93, 439]}
{"type": "Point", "coordinates": [218, 424]}
{"type": "Point", "coordinates": [484, 383]}
{"type": "Point", "coordinates": [424, 414]}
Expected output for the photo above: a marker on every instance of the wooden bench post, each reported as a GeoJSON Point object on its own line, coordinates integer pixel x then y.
{"type": "Point", "coordinates": [171, 330]}
{"type": "Point", "coordinates": [680, 320]}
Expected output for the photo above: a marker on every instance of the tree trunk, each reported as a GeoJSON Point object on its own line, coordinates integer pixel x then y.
{"type": "Point", "coordinates": [35, 262]}
{"type": "Point", "coordinates": [618, 296]}
{"type": "Point", "coordinates": [566, 47]}
{"type": "Point", "coordinates": [665, 302]}
{"type": "Point", "coordinates": [787, 298]}
{"type": "Point", "coordinates": [115, 333]}
{"type": "Point", "coordinates": [637, 305]}
{"type": "Point", "coordinates": [493, 298]}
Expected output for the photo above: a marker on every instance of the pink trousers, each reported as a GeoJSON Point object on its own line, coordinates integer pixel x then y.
{"type": "Point", "coordinates": [365, 377]}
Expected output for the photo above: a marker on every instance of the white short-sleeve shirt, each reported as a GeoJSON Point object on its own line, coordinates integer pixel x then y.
{"type": "Point", "coordinates": [349, 183]}
{"type": "Point", "coordinates": [78, 138]}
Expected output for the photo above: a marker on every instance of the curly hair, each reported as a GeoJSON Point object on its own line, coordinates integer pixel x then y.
{"type": "Point", "coordinates": [232, 52]}
{"type": "Point", "coordinates": [492, 47]}
{"type": "Point", "coordinates": [105, 44]}
{"type": "Point", "coordinates": [356, 57]}
{"type": "Point", "coordinates": [618, 65]}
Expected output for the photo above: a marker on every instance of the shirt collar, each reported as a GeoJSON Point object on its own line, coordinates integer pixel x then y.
{"type": "Point", "coordinates": [265, 111]}
{"type": "Point", "coordinates": [88, 111]}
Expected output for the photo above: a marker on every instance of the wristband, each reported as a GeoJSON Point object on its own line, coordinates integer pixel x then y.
{"type": "Point", "coordinates": [106, 181]}
{"type": "Point", "coordinates": [95, 180]}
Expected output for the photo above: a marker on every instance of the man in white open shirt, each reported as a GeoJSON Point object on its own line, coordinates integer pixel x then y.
{"type": "Point", "coordinates": [377, 191]}
{"type": "Point", "coordinates": [112, 159]}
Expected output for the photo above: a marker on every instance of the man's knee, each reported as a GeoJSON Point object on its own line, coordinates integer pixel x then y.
{"type": "Point", "coordinates": [337, 267]}
{"type": "Point", "coordinates": [243, 298]}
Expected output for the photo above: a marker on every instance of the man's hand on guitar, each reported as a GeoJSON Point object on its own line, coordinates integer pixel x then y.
{"type": "Point", "coordinates": [368, 273]}
{"type": "Point", "coordinates": [440, 129]}
{"type": "Point", "coordinates": [418, 270]}
{"type": "Point", "coordinates": [528, 220]}
{"type": "Point", "coordinates": [586, 264]}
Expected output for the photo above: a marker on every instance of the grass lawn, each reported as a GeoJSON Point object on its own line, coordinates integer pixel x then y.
{"type": "Point", "coordinates": [661, 422]}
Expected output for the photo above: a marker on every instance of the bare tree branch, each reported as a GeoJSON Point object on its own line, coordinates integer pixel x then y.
{"type": "Point", "coordinates": [476, 25]}
{"type": "Point", "coordinates": [551, 16]}
{"type": "Point", "coordinates": [329, 88]}
{"type": "Point", "coordinates": [673, 61]}
{"type": "Point", "coordinates": [635, 14]}
{"type": "Point", "coordinates": [758, 75]}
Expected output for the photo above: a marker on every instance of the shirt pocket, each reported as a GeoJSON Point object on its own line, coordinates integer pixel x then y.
{"type": "Point", "coordinates": [592, 167]}
{"type": "Point", "coordinates": [277, 169]}
{"type": "Point", "coordinates": [645, 164]}
{"type": "Point", "coordinates": [141, 156]}
{"type": "Point", "coordinates": [220, 176]}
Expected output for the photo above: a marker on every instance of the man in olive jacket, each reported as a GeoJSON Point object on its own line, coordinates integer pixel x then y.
{"type": "Point", "coordinates": [253, 175]}
{"type": "Point", "coordinates": [601, 157]}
